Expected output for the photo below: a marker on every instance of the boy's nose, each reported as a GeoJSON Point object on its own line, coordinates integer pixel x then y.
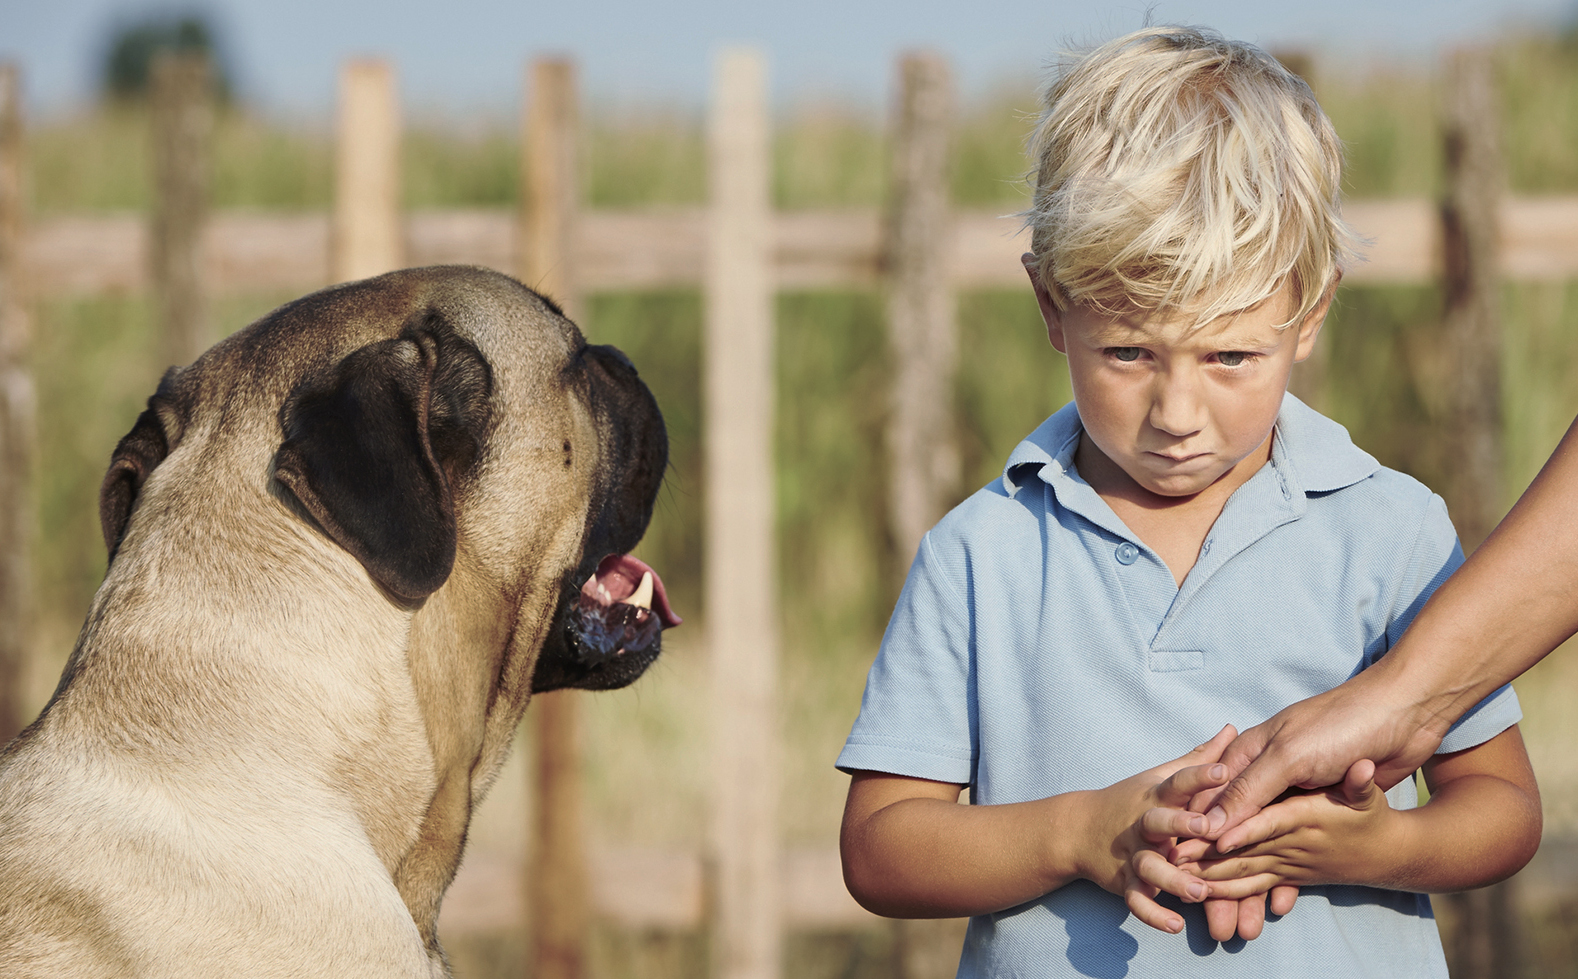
{"type": "Point", "coordinates": [1176, 405]}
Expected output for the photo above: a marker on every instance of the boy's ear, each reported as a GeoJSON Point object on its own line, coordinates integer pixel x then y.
{"type": "Point", "coordinates": [1049, 311]}
{"type": "Point", "coordinates": [1309, 327]}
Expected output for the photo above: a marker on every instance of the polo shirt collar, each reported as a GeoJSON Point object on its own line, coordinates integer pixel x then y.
{"type": "Point", "coordinates": [1311, 453]}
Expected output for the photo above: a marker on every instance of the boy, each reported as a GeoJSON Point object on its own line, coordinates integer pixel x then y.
{"type": "Point", "coordinates": [1183, 545]}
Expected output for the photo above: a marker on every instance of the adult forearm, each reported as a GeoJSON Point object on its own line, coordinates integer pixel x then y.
{"type": "Point", "coordinates": [1512, 602]}
{"type": "Point", "coordinates": [928, 858]}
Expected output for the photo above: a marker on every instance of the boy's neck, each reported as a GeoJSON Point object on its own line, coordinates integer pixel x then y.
{"type": "Point", "coordinates": [1172, 526]}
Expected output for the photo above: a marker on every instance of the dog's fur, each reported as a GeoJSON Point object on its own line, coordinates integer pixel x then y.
{"type": "Point", "coordinates": [339, 542]}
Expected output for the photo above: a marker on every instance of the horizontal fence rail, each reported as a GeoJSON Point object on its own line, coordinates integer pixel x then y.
{"type": "Point", "coordinates": [648, 888]}
{"type": "Point", "coordinates": [658, 248]}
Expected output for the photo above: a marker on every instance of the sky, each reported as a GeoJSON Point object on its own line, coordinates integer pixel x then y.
{"type": "Point", "coordinates": [469, 55]}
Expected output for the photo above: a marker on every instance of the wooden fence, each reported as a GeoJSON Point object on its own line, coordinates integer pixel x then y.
{"type": "Point", "coordinates": [661, 247]}
{"type": "Point", "coordinates": [739, 252]}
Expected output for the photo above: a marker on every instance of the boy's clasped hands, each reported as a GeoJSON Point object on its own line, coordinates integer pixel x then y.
{"type": "Point", "coordinates": [1161, 823]}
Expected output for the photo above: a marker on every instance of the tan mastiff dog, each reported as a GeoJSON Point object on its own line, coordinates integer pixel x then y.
{"type": "Point", "coordinates": [347, 544]}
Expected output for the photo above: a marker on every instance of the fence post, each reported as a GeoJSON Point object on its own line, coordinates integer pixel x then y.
{"type": "Point", "coordinates": [742, 618]}
{"type": "Point", "coordinates": [550, 161]}
{"type": "Point", "coordinates": [1309, 378]}
{"type": "Point", "coordinates": [923, 455]}
{"type": "Point", "coordinates": [1484, 941]}
{"type": "Point", "coordinates": [16, 423]}
{"type": "Point", "coordinates": [557, 890]}
{"type": "Point", "coordinates": [366, 238]}
{"type": "Point", "coordinates": [183, 119]}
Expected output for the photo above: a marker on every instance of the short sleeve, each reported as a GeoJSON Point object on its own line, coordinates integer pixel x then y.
{"type": "Point", "coordinates": [917, 715]}
{"type": "Point", "coordinates": [1437, 554]}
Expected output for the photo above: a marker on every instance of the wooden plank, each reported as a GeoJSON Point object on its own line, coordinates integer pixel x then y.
{"type": "Point", "coordinates": [740, 609]}
{"type": "Point", "coordinates": [367, 232]}
{"type": "Point", "coordinates": [644, 888]}
{"type": "Point", "coordinates": [461, 237]}
{"type": "Point", "coordinates": [265, 252]}
{"type": "Point", "coordinates": [641, 249]}
{"type": "Point", "coordinates": [827, 249]}
{"type": "Point", "coordinates": [183, 120]}
{"type": "Point", "coordinates": [18, 436]}
{"type": "Point", "coordinates": [657, 248]}
{"type": "Point", "coordinates": [87, 255]}
{"type": "Point", "coordinates": [1404, 241]}
{"type": "Point", "coordinates": [1539, 238]}
{"type": "Point", "coordinates": [987, 246]}
{"type": "Point", "coordinates": [556, 883]}
{"type": "Point", "coordinates": [922, 333]}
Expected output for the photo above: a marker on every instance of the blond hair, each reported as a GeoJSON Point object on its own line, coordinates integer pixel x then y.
{"type": "Point", "coordinates": [1179, 171]}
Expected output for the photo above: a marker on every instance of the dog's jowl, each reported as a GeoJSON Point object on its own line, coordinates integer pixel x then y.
{"type": "Point", "coordinates": [347, 544]}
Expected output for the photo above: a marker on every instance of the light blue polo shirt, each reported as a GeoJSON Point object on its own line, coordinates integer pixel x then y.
{"type": "Point", "coordinates": [1039, 647]}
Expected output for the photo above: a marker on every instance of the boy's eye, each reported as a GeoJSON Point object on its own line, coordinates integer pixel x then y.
{"type": "Point", "coordinates": [1126, 354]}
{"type": "Point", "coordinates": [1231, 358]}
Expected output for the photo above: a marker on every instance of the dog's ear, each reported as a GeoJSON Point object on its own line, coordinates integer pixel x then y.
{"type": "Point", "coordinates": [135, 457]}
{"type": "Point", "coordinates": [375, 449]}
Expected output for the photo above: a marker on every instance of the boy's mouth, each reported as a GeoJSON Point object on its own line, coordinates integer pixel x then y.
{"type": "Point", "coordinates": [1179, 458]}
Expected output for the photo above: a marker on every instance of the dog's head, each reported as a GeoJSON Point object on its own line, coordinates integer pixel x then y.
{"type": "Point", "coordinates": [434, 424]}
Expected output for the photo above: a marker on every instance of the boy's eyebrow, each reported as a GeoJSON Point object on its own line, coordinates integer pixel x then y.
{"type": "Point", "coordinates": [1120, 332]}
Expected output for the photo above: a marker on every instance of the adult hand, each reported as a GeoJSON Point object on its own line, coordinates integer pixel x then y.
{"type": "Point", "coordinates": [1313, 744]}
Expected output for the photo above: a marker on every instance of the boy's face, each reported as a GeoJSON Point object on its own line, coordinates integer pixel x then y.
{"type": "Point", "coordinates": [1179, 407]}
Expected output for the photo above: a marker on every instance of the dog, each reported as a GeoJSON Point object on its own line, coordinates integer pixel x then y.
{"type": "Point", "coordinates": [346, 546]}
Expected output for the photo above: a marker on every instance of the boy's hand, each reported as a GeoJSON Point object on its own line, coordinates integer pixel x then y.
{"type": "Point", "coordinates": [1135, 824]}
{"type": "Point", "coordinates": [1332, 836]}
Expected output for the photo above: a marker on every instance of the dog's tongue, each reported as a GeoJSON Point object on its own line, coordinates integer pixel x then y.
{"type": "Point", "coordinates": [619, 577]}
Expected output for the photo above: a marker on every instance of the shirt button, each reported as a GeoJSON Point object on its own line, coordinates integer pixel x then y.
{"type": "Point", "coordinates": [1127, 553]}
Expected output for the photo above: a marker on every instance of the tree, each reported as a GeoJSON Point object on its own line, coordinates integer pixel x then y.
{"type": "Point", "coordinates": [133, 46]}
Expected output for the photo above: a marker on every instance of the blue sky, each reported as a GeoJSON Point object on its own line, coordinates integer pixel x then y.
{"type": "Point", "coordinates": [468, 55]}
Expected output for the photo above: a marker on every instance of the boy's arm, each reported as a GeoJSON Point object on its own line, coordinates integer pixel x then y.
{"type": "Point", "coordinates": [1482, 824]}
{"type": "Point", "coordinates": [910, 850]}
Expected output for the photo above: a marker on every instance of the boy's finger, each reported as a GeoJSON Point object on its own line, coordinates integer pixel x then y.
{"type": "Point", "coordinates": [1161, 824]}
{"type": "Point", "coordinates": [1144, 907]}
{"type": "Point", "coordinates": [1251, 917]}
{"type": "Point", "coordinates": [1221, 918]}
{"type": "Point", "coordinates": [1213, 748]}
{"type": "Point", "coordinates": [1190, 851]}
{"type": "Point", "coordinates": [1282, 898]}
{"type": "Point", "coordinates": [1241, 887]}
{"type": "Point", "coordinates": [1178, 789]}
{"type": "Point", "coordinates": [1233, 868]}
{"type": "Point", "coordinates": [1264, 825]}
{"type": "Point", "coordinates": [1152, 868]}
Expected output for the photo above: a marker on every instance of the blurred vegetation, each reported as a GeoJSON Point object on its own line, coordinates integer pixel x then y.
{"type": "Point", "coordinates": [837, 569]}
{"type": "Point", "coordinates": [134, 46]}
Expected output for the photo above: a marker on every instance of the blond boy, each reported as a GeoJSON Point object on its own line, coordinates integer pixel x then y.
{"type": "Point", "coordinates": [1184, 545]}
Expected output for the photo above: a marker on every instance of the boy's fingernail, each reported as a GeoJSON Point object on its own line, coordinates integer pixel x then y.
{"type": "Point", "coordinates": [1175, 925]}
{"type": "Point", "coordinates": [1217, 817]}
{"type": "Point", "coordinates": [1197, 891]}
{"type": "Point", "coordinates": [1198, 825]}
{"type": "Point", "coordinates": [1217, 773]}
